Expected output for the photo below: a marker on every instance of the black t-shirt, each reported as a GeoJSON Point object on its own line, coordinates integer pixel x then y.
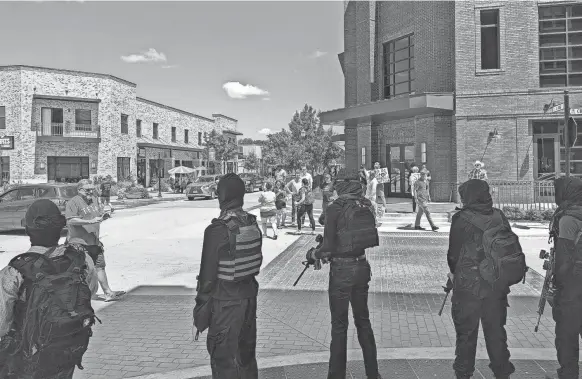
{"type": "Point", "coordinates": [105, 189]}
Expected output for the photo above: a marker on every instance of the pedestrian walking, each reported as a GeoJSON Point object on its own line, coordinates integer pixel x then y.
{"type": "Point", "coordinates": [281, 175]}
{"type": "Point", "coordinates": [349, 230]}
{"type": "Point", "coordinates": [474, 298]}
{"type": "Point", "coordinates": [565, 229]}
{"type": "Point", "coordinates": [226, 299]}
{"type": "Point", "coordinates": [414, 176]}
{"type": "Point", "coordinates": [268, 210]}
{"type": "Point", "coordinates": [478, 172]}
{"type": "Point", "coordinates": [281, 204]}
{"type": "Point", "coordinates": [381, 197]}
{"type": "Point", "coordinates": [20, 301]}
{"type": "Point", "coordinates": [105, 192]}
{"type": "Point", "coordinates": [371, 194]}
{"type": "Point", "coordinates": [305, 205]}
{"type": "Point", "coordinates": [293, 188]}
{"type": "Point", "coordinates": [329, 195]}
{"type": "Point", "coordinates": [84, 217]}
{"type": "Point", "coordinates": [422, 198]}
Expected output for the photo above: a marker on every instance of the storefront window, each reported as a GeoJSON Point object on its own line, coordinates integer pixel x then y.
{"type": "Point", "coordinates": [123, 172]}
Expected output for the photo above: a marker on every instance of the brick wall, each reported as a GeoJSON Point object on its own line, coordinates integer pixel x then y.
{"type": "Point", "coordinates": [46, 149]}
{"type": "Point", "coordinates": [10, 99]}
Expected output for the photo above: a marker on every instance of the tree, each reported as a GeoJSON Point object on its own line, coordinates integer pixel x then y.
{"type": "Point", "coordinates": [251, 162]}
{"type": "Point", "coordinates": [281, 149]}
{"type": "Point", "coordinates": [245, 141]}
{"type": "Point", "coordinates": [224, 149]}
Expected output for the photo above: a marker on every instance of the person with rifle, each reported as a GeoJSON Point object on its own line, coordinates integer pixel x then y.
{"type": "Point", "coordinates": [226, 299]}
{"type": "Point", "coordinates": [565, 231]}
{"type": "Point", "coordinates": [482, 245]}
{"type": "Point", "coordinates": [350, 228]}
{"type": "Point", "coordinates": [25, 282]}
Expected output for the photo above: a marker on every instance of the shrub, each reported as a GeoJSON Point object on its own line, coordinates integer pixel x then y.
{"type": "Point", "coordinates": [547, 214]}
{"type": "Point", "coordinates": [165, 186]}
{"type": "Point", "coordinates": [513, 213]}
{"type": "Point", "coordinates": [533, 215]}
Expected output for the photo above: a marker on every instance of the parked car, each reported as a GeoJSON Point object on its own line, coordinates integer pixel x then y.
{"type": "Point", "coordinates": [15, 202]}
{"type": "Point", "coordinates": [252, 181]}
{"type": "Point", "coordinates": [204, 186]}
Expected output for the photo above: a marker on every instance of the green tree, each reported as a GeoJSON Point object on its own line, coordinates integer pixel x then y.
{"type": "Point", "coordinates": [224, 149]}
{"type": "Point", "coordinates": [251, 162]}
{"type": "Point", "coordinates": [281, 149]}
{"type": "Point", "coordinates": [245, 141]}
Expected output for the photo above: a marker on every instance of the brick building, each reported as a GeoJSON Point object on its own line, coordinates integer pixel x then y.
{"type": "Point", "coordinates": [60, 125]}
{"type": "Point", "coordinates": [443, 82]}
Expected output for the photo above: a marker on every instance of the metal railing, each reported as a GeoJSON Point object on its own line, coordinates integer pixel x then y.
{"type": "Point", "coordinates": [68, 130]}
{"type": "Point", "coordinates": [521, 194]}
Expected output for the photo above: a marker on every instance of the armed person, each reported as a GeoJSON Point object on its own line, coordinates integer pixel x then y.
{"type": "Point", "coordinates": [226, 300]}
{"type": "Point", "coordinates": [565, 229]}
{"type": "Point", "coordinates": [349, 230]}
{"type": "Point", "coordinates": [25, 282]}
{"type": "Point", "coordinates": [479, 233]}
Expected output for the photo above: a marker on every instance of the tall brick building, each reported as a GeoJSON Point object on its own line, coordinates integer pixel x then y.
{"type": "Point", "coordinates": [58, 125]}
{"type": "Point", "coordinates": [443, 82]}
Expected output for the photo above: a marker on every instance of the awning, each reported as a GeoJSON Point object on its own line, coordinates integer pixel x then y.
{"type": "Point", "coordinates": [392, 109]}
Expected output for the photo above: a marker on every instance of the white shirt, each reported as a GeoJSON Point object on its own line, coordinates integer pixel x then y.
{"type": "Point", "coordinates": [371, 189]}
{"type": "Point", "coordinates": [309, 178]}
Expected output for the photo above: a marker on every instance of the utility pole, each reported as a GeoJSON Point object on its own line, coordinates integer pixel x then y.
{"type": "Point", "coordinates": [566, 136]}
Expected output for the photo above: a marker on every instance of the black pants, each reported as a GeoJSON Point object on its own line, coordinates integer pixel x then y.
{"type": "Point", "coordinates": [567, 313]}
{"type": "Point", "coordinates": [349, 283]}
{"type": "Point", "coordinates": [301, 211]}
{"type": "Point", "coordinates": [467, 311]}
{"type": "Point", "coordinates": [232, 339]}
{"type": "Point", "coordinates": [413, 204]}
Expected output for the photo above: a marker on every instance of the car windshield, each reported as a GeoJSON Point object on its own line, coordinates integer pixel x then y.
{"type": "Point", "coordinates": [68, 192]}
{"type": "Point", "coordinates": [203, 179]}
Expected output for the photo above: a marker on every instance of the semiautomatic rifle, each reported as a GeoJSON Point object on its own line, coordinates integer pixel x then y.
{"type": "Point", "coordinates": [447, 288]}
{"type": "Point", "coordinates": [548, 290]}
{"type": "Point", "coordinates": [316, 264]}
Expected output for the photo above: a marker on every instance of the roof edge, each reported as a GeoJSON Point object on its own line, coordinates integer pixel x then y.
{"type": "Point", "coordinates": [64, 71]}
{"type": "Point", "coordinates": [150, 102]}
{"type": "Point", "coordinates": [221, 115]}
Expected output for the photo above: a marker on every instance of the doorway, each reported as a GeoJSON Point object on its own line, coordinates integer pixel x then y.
{"type": "Point", "coordinates": [67, 169]}
{"type": "Point", "coordinates": [547, 156]}
{"type": "Point", "coordinates": [141, 171]}
{"type": "Point", "coordinates": [399, 157]}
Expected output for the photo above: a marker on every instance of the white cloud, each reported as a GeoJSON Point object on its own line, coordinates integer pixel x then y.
{"type": "Point", "coordinates": [152, 55]}
{"type": "Point", "coordinates": [265, 131]}
{"type": "Point", "coordinates": [170, 66]}
{"type": "Point", "coordinates": [317, 54]}
{"type": "Point", "coordinates": [237, 90]}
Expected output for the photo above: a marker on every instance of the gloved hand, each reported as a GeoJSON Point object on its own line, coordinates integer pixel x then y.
{"type": "Point", "coordinates": [310, 256]}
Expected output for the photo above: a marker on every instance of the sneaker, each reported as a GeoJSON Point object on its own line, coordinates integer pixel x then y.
{"type": "Point", "coordinates": [275, 237]}
{"type": "Point", "coordinates": [419, 228]}
{"type": "Point", "coordinates": [435, 228]}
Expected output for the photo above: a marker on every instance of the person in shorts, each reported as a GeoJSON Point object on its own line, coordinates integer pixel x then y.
{"type": "Point", "coordinates": [105, 192]}
{"type": "Point", "coordinates": [84, 217]}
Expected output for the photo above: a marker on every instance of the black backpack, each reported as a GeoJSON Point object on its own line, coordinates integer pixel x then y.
{"type": "Point", "coordinates": [504, 264]}
{"type": "Point", "coordinates": [53, 316]}
{"type": "Point", "coordinates": [356, 225]}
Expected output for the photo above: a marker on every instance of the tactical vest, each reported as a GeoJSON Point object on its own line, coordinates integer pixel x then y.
{"type": "Point", "coordinates": [356, 227]}
{"type": "Point", "coordinates": [245, 255]}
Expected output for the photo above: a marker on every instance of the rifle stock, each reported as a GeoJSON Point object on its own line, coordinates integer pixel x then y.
{"type": "Point", "coordinates": [547, 294]}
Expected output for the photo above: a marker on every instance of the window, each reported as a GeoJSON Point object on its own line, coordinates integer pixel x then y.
{"type": "Point", "coordinates": [52, 121]}
{"type": "Point", "coordinates": [186, 136]}
{"type": "Point", "coordinates": [124, 126]}
{"type": "Point", "coordinates": [399, 67]}
{"type": "Point", "coordinates": [199, 138]}
{"type": "Point", "coordinates": [176, 163]}
{"type": "Point", "coordinates": [173, 134]}
{"type": "Point", "coordinates": [364, 156]}
{"type": "Point", "coordinates": [560, 38]}
{"type": "Point", "coordinates": [155, 133]}
{"type": "Point", "coordinates": [490, 46]}
{"type": "Point", "coordinates": [10, 196]}
{"type": "Point", "coordinates": [123, 169]}
{"type": "Point", "coordinates": [83, 119]}
{"type": "Point", "coordinates": [45, 192]}
{"type": "Point", "coordinates": [26, 193]}
{"type": "Point", "coordinates": [2, 117]}
{"type": "Point", "coordinates": [204, 140]}
{"type": "Point", "coordinates": [138, 128]}
{"type": "Point", "coordinates": [5, 169]}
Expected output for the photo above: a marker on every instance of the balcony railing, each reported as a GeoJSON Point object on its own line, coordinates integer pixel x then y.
{"type": "Point", "coordinates": [68, 130]}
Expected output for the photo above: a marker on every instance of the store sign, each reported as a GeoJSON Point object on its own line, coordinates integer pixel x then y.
{"type": "Point", "coordinates": [6, 142]}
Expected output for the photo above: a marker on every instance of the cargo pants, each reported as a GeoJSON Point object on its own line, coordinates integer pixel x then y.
{"type": "Point", "coordinates": [232, 339]}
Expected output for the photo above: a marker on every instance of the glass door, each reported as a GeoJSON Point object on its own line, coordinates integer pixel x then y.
{"type": "Point", "coordinates": [400, 158]}
{"type": "Point", "coordinates": [546, 153]}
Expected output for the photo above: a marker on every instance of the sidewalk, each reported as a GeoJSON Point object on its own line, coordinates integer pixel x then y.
{"type": "Point", "coordinates": [134, 203]}
{"type": "Point", "coordinates": [150, 330]}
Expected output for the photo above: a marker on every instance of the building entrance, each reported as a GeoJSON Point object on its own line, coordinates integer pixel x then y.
{"type": "Point", "coordinates": [399, 158]}
{"type": "Point", "coordinates": [67, 169]}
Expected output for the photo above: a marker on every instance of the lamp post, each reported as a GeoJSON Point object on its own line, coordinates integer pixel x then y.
{"type": "Point", "coordinates": [160, 175]}
{"type": "Point", "coordinates": [566, 136]}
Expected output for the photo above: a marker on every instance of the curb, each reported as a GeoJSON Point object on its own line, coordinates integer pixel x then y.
{"type": "Point", "coordinates": [431, 353]}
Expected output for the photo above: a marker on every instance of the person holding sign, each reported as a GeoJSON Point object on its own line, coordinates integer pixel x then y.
{"type": "Point", "coordinates": [380, 189]}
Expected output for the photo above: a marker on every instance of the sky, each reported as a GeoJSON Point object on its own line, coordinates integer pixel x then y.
{"type": "Point", "coordinates": [257, 62]}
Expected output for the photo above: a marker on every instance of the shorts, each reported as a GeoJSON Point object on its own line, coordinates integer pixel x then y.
{"type": "Point", "coordinates": [96, 253]}
{"type": "Point", "coordinates": [106, 199]}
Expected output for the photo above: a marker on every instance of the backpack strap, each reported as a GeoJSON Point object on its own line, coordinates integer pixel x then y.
{"type": "Point", "coordinates": [29, 265]}
{"type": "Point", "coordinates": [480, 222]}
